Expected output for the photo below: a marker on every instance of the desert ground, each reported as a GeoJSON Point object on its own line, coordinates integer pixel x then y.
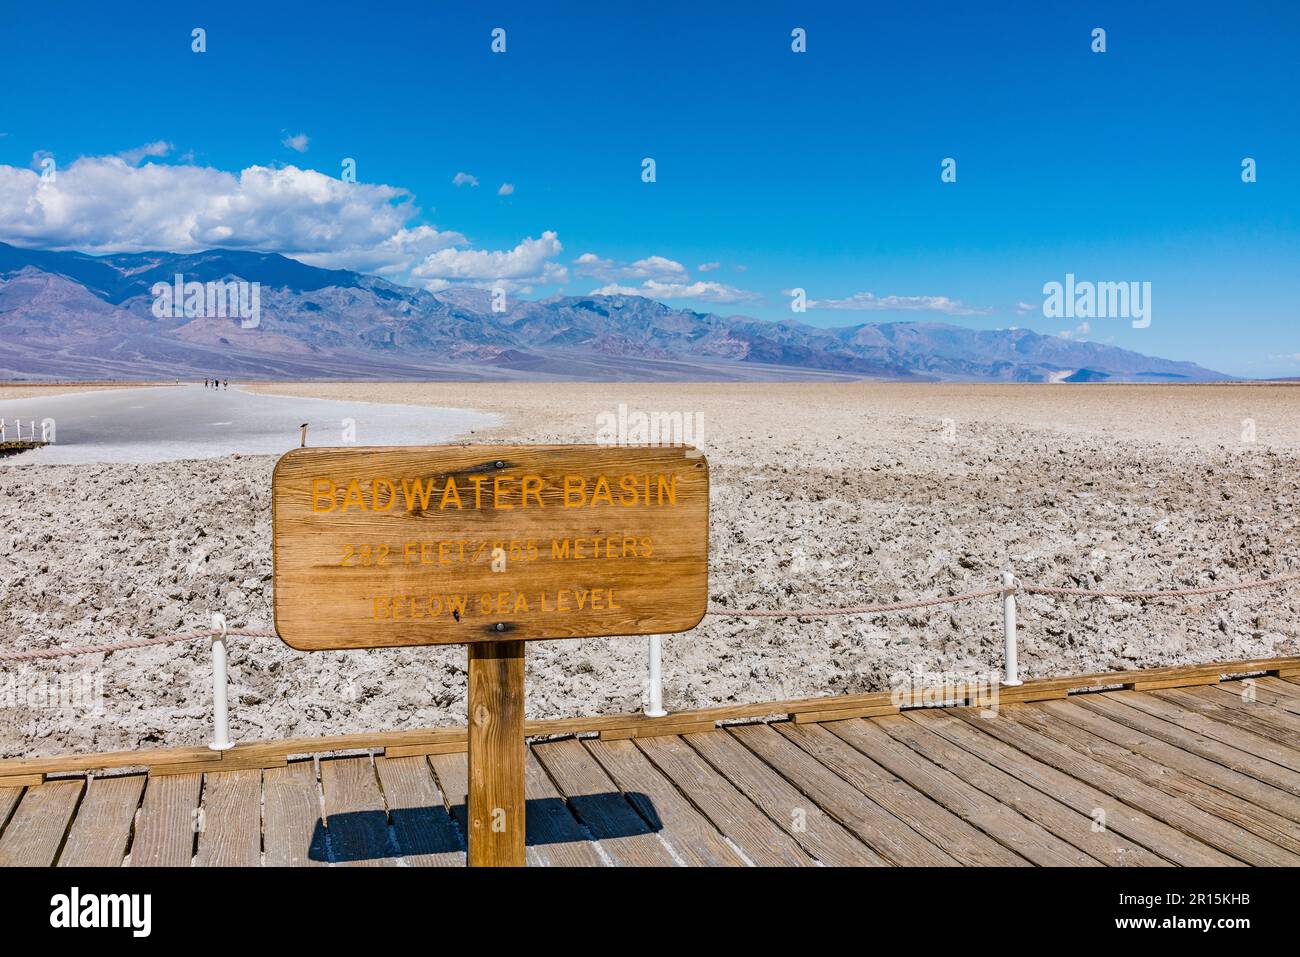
{"type": "Point", "coordinates": [823, 495]}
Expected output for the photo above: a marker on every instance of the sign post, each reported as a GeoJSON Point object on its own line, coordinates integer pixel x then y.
{"type": "Point", "coordinates": [496, 754]}
{"type": "Point", "coordinates": [488, 546]}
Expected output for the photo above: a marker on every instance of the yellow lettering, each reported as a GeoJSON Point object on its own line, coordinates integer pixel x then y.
{"type": "Point", "coordinates": [450, 493]}
{"type": "Point", "coordinates": [353, 495]}
{"type": "Point", "coordinates": [416, 491]}
{"type": "Point", "coordinates": [575, 485]}
{"type": "Point", "coordinates": [601, 492]}
{"type": "Point", "coordinates": [532, 485]}
{"type": "Point", "coordinates": [498, 494]}
{"type": "Point", "coordinates": [322, 490]}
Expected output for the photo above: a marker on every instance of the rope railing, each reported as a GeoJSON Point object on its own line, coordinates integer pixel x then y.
{"type": "Point", "coordinates": [1008, 589]}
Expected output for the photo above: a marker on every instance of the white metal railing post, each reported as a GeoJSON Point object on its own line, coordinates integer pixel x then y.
{"type": "Point", "coordinates": [1012, 672]}
{"type": "Point", "coordinates": [655, 709]}
{"type": "Point", "coordinates": [220, 688]}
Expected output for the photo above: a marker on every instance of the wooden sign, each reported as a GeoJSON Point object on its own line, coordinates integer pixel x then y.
{"type": "Point", "coordinates": [385, 547]}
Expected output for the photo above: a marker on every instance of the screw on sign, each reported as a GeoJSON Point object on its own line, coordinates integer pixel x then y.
{"type": "Point", "coordinates": [488, 546]}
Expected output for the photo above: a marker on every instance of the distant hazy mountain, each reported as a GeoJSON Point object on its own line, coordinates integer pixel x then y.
{"type": "Point", "coordinates": [69, 315]}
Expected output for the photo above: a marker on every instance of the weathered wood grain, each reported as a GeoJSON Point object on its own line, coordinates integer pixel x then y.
{"type": "Point", "coordinates": [425, 833]}
{"type": "Point", "coordinates": [496, 754]}
{"type": "Point", "coordinates": [817, 832]}
{"type": "Point", "coordinates": [884, 833]}
{"type": "Point", "coordinates": [167, 825]}
{"type": "Point", "coordinates": [355, 820]}
{"type": "Point", "coordinates": [1021, 838]}
{"type": "Point", "coordinates": [623, 833]}
{"type": "Point", "coordinates": [293, 828]}
{"type": "Point", "coordinates": [734, 815]}
{"type": "Point", "coordinates": [555, 837]}
{"type": "Point", "coordinates": [1066, 822]}
{"type": "Point", "coordinates": [596, 540]}
{"type": "Point", "coordinates": [36, 831]}
{"type": "Point", "coordinates": [921, 808]}
{"type": "Point", "coordinates": [101, 830]}
{"type": "Point", "coordinates": [231, 831]}
{"type": "Point", "coordinates": [696, 841]}
{"type": "Point", "coordinates": [1228, 838]}
{"type": "Point", "coordinates": [1138, 826]}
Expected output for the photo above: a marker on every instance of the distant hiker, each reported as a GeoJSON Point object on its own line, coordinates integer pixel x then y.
{"type": "Point", "coordinates": [227, 385]}
{"type": "Point", "coordinates": [205, 383]}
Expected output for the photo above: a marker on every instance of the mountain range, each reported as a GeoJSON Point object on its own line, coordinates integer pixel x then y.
{"type": "Point", "coordinates": [67, 315]}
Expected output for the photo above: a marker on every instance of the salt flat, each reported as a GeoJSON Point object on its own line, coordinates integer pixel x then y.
{"type": "Point", "coordinates": [823, 494]}
{"type": "Point", "coordinates": [167, 423]}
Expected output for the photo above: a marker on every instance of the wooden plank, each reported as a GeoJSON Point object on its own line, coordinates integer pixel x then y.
{"type": "Point", "coordinates": [496, 803]}
{"type": "Point", "coordinates": [622, 832]}
{"type": "Point", "coordinates": [245, 762]}
{"type": "Point", "coordinates": [1057, 817]}
{"type": "Point", "coordinates": [417, 750]}
{"type": "Point", "coordinates": [293, 828]}
{"type": "Point", "coordinates": [1156, 684]}
{"type": "Point", "coordinates": [696, 841]}
{"type": "Point", "coordinates": [876, 827]}
{"type": "Point", "coordinates": [1020, 837]}
{"type": "Point", "coordinates": [359, 534]}
{"type": "Point", "coordinates": [816, 831]}
{"type": "Point", "coordinates": [356, 825]}
{"type": "Point", "coordinates": [451, 773]}
{"type": "Point", "coordinates": [1174, 811]}
{"type": "Point", "coordinates": [1284, 722]}
{"type": "Point", "coordinates": [1118, 709]}
{"type": "Point", "coordinates": [1256, 691]}
{"type": "Point", "coordinates": [1230, 734]}
{"type": "Point", "coordinates": [166, 827]}
{"type": "Point", "coordinates": [36, 831]}
{"type": "Point", "coordinates": [1173, 777]}
{"type": "Point", "coordinates": [729, 811]}
{"type": "Point", "coordinates": [101, 831]}
{"type": "Point", "coordinates": [656, 730]}
{"type": "Point", "coordinates": [9, 798]}
{"type": "Point", "coordinates": [1139, 827]}
{"type": "Point", "coordinates": [1284, 803]}
{"type": "Point", "coordinates": [426, 835]}
{"type": "Point", "coordinates": [108, 760]}
{"type": "Point", "coordinates": [230, 823]}
{"type": "Point", "coordinates": [555, 837]}
{"type": "Point", "coordinates": [1280, 687]}
{"type": "Point", "coordinates": [1269, 726]}
{"type": "Point", "coordinates": [1273, 840]}
{"type": "Point", "coordinates": [19, 781]}
{"type": "Point", "coordinates": [924, 799]}
{"type": "Point", "coordinates": [842, 714]}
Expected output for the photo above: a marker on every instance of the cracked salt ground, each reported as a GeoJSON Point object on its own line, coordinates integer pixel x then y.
{"type": "Point", "coordinates": [103, 552]}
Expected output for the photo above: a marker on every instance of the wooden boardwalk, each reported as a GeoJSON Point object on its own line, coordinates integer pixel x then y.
{"type": "Point", "coordinates": [1202, 775]}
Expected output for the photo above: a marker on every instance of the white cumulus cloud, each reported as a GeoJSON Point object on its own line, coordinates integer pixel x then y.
{"type": "Point", "coordinates": [297, 142]}
{"type": "Point", "coordinates": [527, 264]}
{"type": "Point", "coordinates": [651, 267]}
{"type": "Point", "coordinates": [506, 189]}
{"type": "Point", "coordinates": [157, 148]}
{"type": "Point", "coordinates": [464, 179]}
{"type": "Point", "coordinates": [698, 290]}
{"type": "Point", "coordinates": [870, 302]}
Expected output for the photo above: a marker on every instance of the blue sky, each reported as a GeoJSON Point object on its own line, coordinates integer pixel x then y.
{"type": "Point", "coordinates": [818, 170]}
